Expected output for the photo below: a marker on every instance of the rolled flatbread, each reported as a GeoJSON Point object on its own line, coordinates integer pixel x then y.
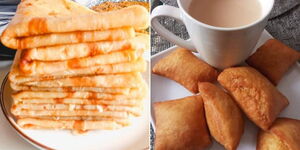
{"type": "Point", "coordinates": [29, 67]}
{"type": "Point", "coordinates": [128, 80]}
{"type": "Point", "coordinates": [77, 125]}
{"type": "Point", "coordinates": [27, 95]}
{"type": "Point", "coordinates": [124, 122]}
{"type": "Point", "coordinates": [42, 17]}
{"type": "Point", "coordinates": [39, 113]}
{"type": "Point", "coordinates": [17, 87]}
{"type": "Point", "coordinates": [55, 39]}
{"type": "Point", "coordinates": [135, 110]}
{"type": "Point", "coordinates": [79, 50]}
{"type": "Point", "coordinates": [81, 101]}
{"type": "Point", "coordinates": [16, 76]}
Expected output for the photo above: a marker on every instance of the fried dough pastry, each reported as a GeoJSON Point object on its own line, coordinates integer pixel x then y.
{"type": "Point", "coordinates": [185, 68]}
{"type": "Point", "coordinates": [273, 59]}
{"type": "Point", "coordinates": [224, 118]}
{"type": "Point", "coordinates": [284, 134]}
{"type": "Point", "coordinates": [254, 93]}
{"type": "Point", "coordinates": [180, 124]}
{"type": "Point", "coordinates": [269, 141]}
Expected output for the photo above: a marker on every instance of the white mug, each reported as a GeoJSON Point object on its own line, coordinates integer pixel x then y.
{"type": "Point", "coordinates": [218, 46]}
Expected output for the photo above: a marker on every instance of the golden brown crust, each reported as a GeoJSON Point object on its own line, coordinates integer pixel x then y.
{"type": "Point", "coordinates": [125, 80]}
{"type": "Point", "coordinates": [268, 141]}
{"type": "Point", "coordinates": [109, 6]}
{"type": "Point", "coordinates": [180, 124]}
{"type": "Point", "coordinates": [27, 95]}
{"type": "Point", "coordinates": [36, 66]}
{"type": "Point", "coordinates": [80, 125]}
{"type": "Point", "coordinates": [131, 102]}
{"type": "Point", "coordinates": [284, 134]}
{"type": "Point", "coordinates": [288, 130]}
{"type": "Point", "coordinates": [108, 111]}
{"type": "Point", "coordinates": [80, 50]}
{"type": "Point", "coordinates": [254, 93]}
{"type": "Point", "coordinates": [185, 68]}
{"type": "Point", "coordinates": [103, 53]}
{"type": "Point", "coordinates": [18, 77]}
{"type": "Point", "coordinates": [17, 87]}
{"type": "Point", "coordinates": [273, 59]}
{"type": "Point", "coordinates": [81, 37]}
{"type": "Point", "coordinates": [223, 116]}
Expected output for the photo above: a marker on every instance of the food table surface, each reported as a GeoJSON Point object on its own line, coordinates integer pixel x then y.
{"type": "Point", "coordinates": [10, 140]}
{"type": "Point", "coordinates": [283, 25]}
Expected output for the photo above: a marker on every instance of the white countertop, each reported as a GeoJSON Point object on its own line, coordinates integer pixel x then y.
{"type": "Point", "coordinates": [9, 139]}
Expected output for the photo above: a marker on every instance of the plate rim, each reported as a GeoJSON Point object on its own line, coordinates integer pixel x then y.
{"type": "Point", "coordinates": [6, 115]}
{"type": "Point", "coordinates": [152, 120]}
{"type": "Point", "coordinates": [23, 135]}
{"type": "Point", "coordinates": [161, 54]}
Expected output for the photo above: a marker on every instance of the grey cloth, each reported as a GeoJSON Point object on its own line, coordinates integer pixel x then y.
{"type": "Point", "coordinates": [284, 25]}
{"type": "Point", "coordinates": [283, 6]}
{"type": "Point", "coordinates": [158, 43]}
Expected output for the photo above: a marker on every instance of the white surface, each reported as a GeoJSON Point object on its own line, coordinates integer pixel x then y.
{"type": "Point", "coordinates": [219, 47]}
{"type": "Point", "coordinates": [134, 137]}
{"type": "Point", "coordinates": [82, 2]}
{"type": "Point", "coordinates": [164, 89]}
{"type": "Point", "coordinates": [9, 139]}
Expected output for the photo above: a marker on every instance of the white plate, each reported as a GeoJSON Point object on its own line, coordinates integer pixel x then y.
{"type": "Point", "coordinates": [163, 89]}
{"type": "Point", "coordinates": [134, 137]}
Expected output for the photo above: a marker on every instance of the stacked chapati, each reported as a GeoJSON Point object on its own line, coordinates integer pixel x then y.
{"type": "Point", "coordinates": [75, 68]}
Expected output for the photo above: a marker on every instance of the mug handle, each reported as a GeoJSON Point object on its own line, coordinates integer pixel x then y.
{"type": "Point", "coordinates": [173, 12]}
